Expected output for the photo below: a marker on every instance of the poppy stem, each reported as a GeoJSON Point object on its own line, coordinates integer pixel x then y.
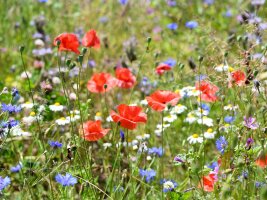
{"type": "Point", "coordinates": [162, 160]}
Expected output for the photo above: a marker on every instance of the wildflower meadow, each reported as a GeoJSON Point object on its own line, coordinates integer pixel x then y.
{"type": "Point", "coordinates": [133, 99]}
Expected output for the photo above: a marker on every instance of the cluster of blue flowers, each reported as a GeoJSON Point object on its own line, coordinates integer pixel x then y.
{"type": "Point", "coordinates": [149, 174]}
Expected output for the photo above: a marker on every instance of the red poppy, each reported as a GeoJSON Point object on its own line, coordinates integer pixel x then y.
{"type": "Point", "coordinates": [262, 162]}
{"type": "Point", "coordinates": [93, 131]}
{"type": "Point", "coordinates": [125, 78]}
{"type": "Point", "coordinates": [162, 68]}
{"type": "Point", "coordinates": [238, 77]}
{"type": "Point", "coordinates": [159, 99]}
{"type": "Point", "coordinates": [90, 39]}
{"type": "Point", "coordinates": [98, 82]}
{"type": "Point", "coordinates": [208, 91]}
{"type": "Point", "coordinates": [68, 42]}
{"type": "Point", "coordinates": [209, 181]}
{"type": "Point", "coordinates": [129, 116]}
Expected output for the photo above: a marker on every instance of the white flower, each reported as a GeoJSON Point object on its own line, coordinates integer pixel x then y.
{"type": "Point", "coordinates": [39, 42]}
{"type": "Point", "coordinates": [98, 116]}
{"type": "Point", "coordinates": [222, 68]}
{"type": "Point", "coordinates": [143, 102]}
{"type": "Point", "coordinates": [56, 107]}
{"type": "Point", "coordinates": [190, 118]}
{"type": "Point", "coordinates": [41, 108]}
{"type": "Point", "coordinates": [168, 185]}
{"type": "Point", "coordinates": [200, 112]}
{"type": "Point", "coordinates": [17, 131]}
{"type": "Point", "coordinates": [227, 127]}
{"type": "Point", "coordinates": [56, 80]}
{"type": "Point", "coordinates": [24, 74]}
{"type": "Point", "coordinates": [178, 109]}
{"type": "Point", "coordinates": [107, 145]}
{"type": "Point", "coordinates": [230, 107]}
{"type": "Point", "coordinates": [27, 105]}
{"type": "Point", "coordinates": [170, 118]}
{"type": "Point", "coordinates": [159, 126]}
{"type": "Point", "coordinates": [135, 147]}
{"type": "Point", "coordinates": [109, 119]}
{"type": "Point", "coordinates": [30, 119]}
{"type": "Point", "coordinates": [62, 121]}
{"type": "Point", "coordinates": [193, 139]}
{"type": "Point", "coordinates": [206, 121]}
{"type": "Point", "coordinates": [209, 134]}
{"type": "Point", "coordinates": [148, 158]}
{"type": "Point", "coordinates": [189, 91]}
{"type": "Point", "coordinates": [74, 116]}
{"type": "Point", "coordinates": [73, 96]}
{"type": "Point", "coordinates": [143, 137]}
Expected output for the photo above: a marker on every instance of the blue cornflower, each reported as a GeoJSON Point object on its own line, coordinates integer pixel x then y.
{"type": "Point", "coordinates": [123, 2]}
{"type": "Point", "coordinates": [15, 94]}
{"type": "Point", "coordinates": [10, 108]}
{"type": "Point", "coordinates": [148, 174]}
{"type": "Point", "coordinates": [9, 124]}
{"type": "Point", "coordinates": [201, 77]}
{"type": "Point", "coordinates": [221, 144]}
{"type": "Point", "coordinates": [205, 107]}
{"type": "Point", "coordinates": [172, 26]}
{"type": "Point", "coordinates": [4, 182]}
{"type": "Point", "coordinates": [122, 135]}
{"type": "Point", "coordinates": [16, 168]}
{"type": "Point", "coordinates": [55, 144]}
{"type": "Point", "coordinates": [168, 185]}
{"type": "Point", "coordinates": [228, 13]}
{"type": "Point", "coordinates": [229, 119]}
{"type": "Point", "coordinates": [259, 184]}
{"type": "Point", "coordinates": [156, 151]}
{"type": "Point", "coordinates": [103, 19]}
{"type": "Point", "coordinates": [213, 165]}
{"type": "Point", "coordinates": [66, 180]}
{"type": "Point", "coordinates": [171, 62]}
{"type": "Point", "coordinates": [43, 1]}
{"type": "Point", "coordinates": [171, 3]}
{"type": "Point", "coordinates": [191, 24]}
{"type": "Point", "coordinates": [92, 63]}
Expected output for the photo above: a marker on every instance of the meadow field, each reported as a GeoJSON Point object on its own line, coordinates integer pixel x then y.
{"type": "Point", "coordinates": [133, 99]}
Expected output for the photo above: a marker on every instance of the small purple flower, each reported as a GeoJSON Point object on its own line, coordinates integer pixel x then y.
{"type": "Point", "coordinates": [172, 26]}
{"type": "Point", "coordinates": [171, 3]}
{"type": "Point", "coordinates": [257, 2]}
{"type": "Point", "coordinates": [4, 182]}
{"type": "Point", "coordinates": [178, 159]}
{"type": "Point", "coordinates": [221, 144]}
{"type": "Point", "coordinates": [122, 135]}
{"type": "Point", "coordinates": [213, 165]}
{"type": "Point", "coordinates": [201, 77]}
{"type": "Point", "coordinates": [228, 13]}
{"type": "Point", "coordinates": [156, 151]}
{"type": "Point", "coordinates": [9, 124]}
{"type": "Point", "coordinates": [208, 2]}
{"type": "Point", "coordinates": [249, 143]}
{"type": "Point", "coordinates": [16, 168]}
{"type": "Point", "coordinates": [251, 123]}
{"type": "Point", "coordinates": [191, 24]}
{"type": "Point", "coordinates": [66, 180]}
{"type": "Point", "coordinates": [205, 107]}
{"type": "Point", "coordinates": [123, 2]}
{"type": "Point", "coordinates": [229, 119]}
{"type": "Point", "coordinates": [55, 144]}
{"type": "Point", "coordinates": [148, 174]}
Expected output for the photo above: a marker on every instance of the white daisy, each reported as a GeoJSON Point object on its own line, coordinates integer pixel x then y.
{"type": "Point", "coordinates": [143, 102]}
{"type": "Point", "coordinates": [178, 109]}
{"type": "Point", "coordinates": [31, 118]}
{"type": "Point", "coordinates": [62, 121]}
{"type": "Point", "coordinates": [56, 107]}
{"type": "Point", "coordinates": [107, 145]}
{"type": "Point", "coordinates": [17, 131]}
{"type": "Point", "coordinates": [190, 118]}
{"type": "Point", "coordinates": [230, 107]}
{"type": "Point", "coordinates": [109, 119]}
{"type": "Point", "coordinates": [209, 134]}
{"type": "Point", "coordinates": [221, 68]}
{"type": "Point", "coordinates": [98, 116]}
{"type": "Point", "coordinates": [143, 137]}
{"type": "Point", "coordinates": [27, 105]}
{"type": "Point", "coordinates": [206, 121]}
{"type": "Point", "coordinates": [170, 118]}
{"type": "Point", "coordinates": [195, 138]}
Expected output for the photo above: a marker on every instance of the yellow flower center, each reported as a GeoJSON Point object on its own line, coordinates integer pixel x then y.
{"type": "Point", "coordinates": [32, 114]}
{"type": "Point", "coordinates": [177, 91]}
{"type": "Point", "coordinates": [28, 102]}
{"type": "Point", "coordinates": [227, 125]}
{"type": "Point", "coordinates": [230, 69]}
{"type": "Point", "coordinates": [57, 104]}
{"type": "Point", "coordinates": [195, 135]}
{"type": "Point", "coordinates": [209, 130]}
{"type": "Point", "coordinates": [179, 105]}
{"type": "Point", "coordinates": [63, 118]}
{"type": "Point", "coordinates": [169, 116]}
{"type": "Point", "coordinates": [98, 114]}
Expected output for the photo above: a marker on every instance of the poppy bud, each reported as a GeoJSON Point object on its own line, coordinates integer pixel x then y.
{"type": "Point", "coordinates": [21, 48]}
{"type": "Point", "coordinates": [72, 65]}
{"type": "Point", "coordinates": [239, 38]}
{"type": "Point", "coordinates": [58, 43]}
{"type": "Point", "coordinates": [156, 54]}
{"type": "Point", "coordinates": [200, 58]}
{"type": "Point", "coordinates": [105, 86]}
{"type": "Point", "coordinates": [226, 54]}
{"type": "Point", "coordinates": [192, 64]}
{"type": "Point", "coordinates": [68, 62]}
{"type": "Point", "coordinates": [148, 40]}
{"type": "Point", "coordinates": [80, 59]}
{"type": "Point", "coordinates": [84, 50]}
{"type": "Point", "coordinates": [181, 66]}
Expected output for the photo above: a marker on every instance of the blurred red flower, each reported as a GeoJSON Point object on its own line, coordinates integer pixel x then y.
{"type": "Point", "coordinates": [159, 99]}
{"type": "Point", "coordinates": [125, 78]}
{"type": "Point", "coordinates": [90, 39]}
{"type": "Point", "coordinates": [68, 42]}
{"type": "Point", "coordinates": [162, 68]}
{"type": "Point", "coordinates": [209, 181]}
{"type": "Point", "coordinates": [128, 116]}
{"type": "Point", "coordinates": [238, 77]}
{"type": "Point", "coordinates": [98, 82]}
{"type": "Point", "coordinates": [93, 131]}
{"type": "Point", "coordinates": [208, 91]}
{"type": "Point", "coordinates": [262, 162]}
